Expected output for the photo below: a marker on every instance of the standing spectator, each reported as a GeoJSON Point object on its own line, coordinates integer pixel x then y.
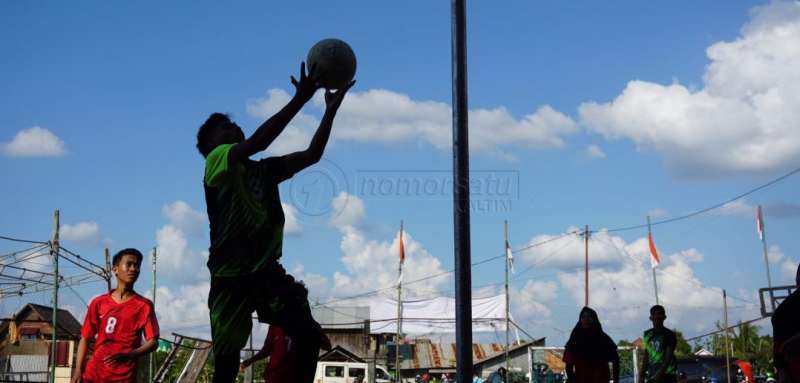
{"type": "Point", "coordinates": [589, 350]}
{"type": "Point", "coordinates": [786, 336]}
{"type": "Point", "coordinates": [498, 376]}
{"type": "Point", "coordinates": [659, 343]}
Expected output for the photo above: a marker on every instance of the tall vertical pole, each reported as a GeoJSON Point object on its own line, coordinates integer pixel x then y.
{"type": "Point", "coordinates": [763, 231]}
{"type": "Point", "coordinates": [153, 354]}
{"type": "Point", "coordinates": [507, 249]}
{"type": "Point", "coordinates": [108, 269]}
{"type": "Point", "coordinates": [586, 266]}
{"type": "Point", "coordinates": [727, 339]}
{"type": "Point", "coordinates": [655, 282]}
{"type": "Point", "coordinates": [54, 250]}
{"type": "Point", "coordinates": [461, 232]}
{"type": "Point", "coordinates": [399, 311]}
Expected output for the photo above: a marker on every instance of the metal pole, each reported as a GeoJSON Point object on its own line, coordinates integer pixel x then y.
{"type": "Point", "coordinates": [461, 232]}
{"type": "Point", "coordinates": [586, 266]}
{"type": "Point", "coordinates": [507, 249]}
{"type": "Point", "coordinates": [727, 340]}
{"type": "Point", "coordinates": [54, 249]}
{"type": "Point", "coordinates": [766, 256]}
{"type": "Point", "coordinates": [153, 354]}
{"type": "Point", "coordinates": [655, 282]}
{"type": "Point", "coordinates": [108, 269]}
{"type": "Point", "coordinates": [399, 311]}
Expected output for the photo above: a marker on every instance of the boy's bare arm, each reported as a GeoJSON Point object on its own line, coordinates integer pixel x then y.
{"type": "Point", "coordinates": [144, 349]}
{"type": "Point", "coordinates": [79, 359]}
{"type": "Point", "coordinates": [274, 126]}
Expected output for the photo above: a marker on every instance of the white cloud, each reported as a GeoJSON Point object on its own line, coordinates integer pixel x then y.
{"type": "Point", "coordinates": [183, 309]}
{"type": "Point", "coordinates": [786, 265]}
{"type": "Point", "coordinates": [738, 208]}
{"type": "Point", "coordinates": [183, 217]}
{"type": "Point", "coordinates": [594, 151]}
{"type": "Point", "coordinates": [315, 283]}
{"type": "Point", "coordinates": [33, 142]}
{"type": "Point", "coordinates": [383, 116]}
{"type": "Point", "coordinates": [349, 210]}
{"type": "Point", "coordinates": [175, 257]}
{"type": "Point", "coordinates": [658, 213]}
{"type": "Point", "coordinates": [532, 300]}
{"type": "Point", "coordinates": [569, 252]}
{"type": "Point", "coordinates": [743, 119]}
{"type": "Point", "coordinates": [81, 231]}
{"type": "Point", "coordinates": [292, 225]}
{"type": "Point", "coordinates": [372, 264]}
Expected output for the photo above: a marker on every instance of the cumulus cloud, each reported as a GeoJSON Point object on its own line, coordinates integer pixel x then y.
{"type": "Point", "coordinates": [175, 257]}
{"type": "Point", "coordinates": [594, 151]}
{"type": "Point", "coordinates": [738, 208]}
{"type": "Point", "coordinates": [183, 309]}
{"type": "Point", "coordinates": [33, 142]}
{"type": "Point", "coordinates": [292, 225]}
{"type": "Point", "coordinates": [786, 265]}
{"type": "Point", "coordinates": [568, 252]}
{"type": "Point", "coordinates": [744, 117]}
{"type": "Point", "coordinates": [383, 116]}
{"type": "Point", "coordinates": [81, 231]}
{"type": "Point", "coordinates": [349, 209]}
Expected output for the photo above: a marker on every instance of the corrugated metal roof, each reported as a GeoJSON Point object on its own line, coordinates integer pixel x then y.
{"type": "Point", "coordinates": [350, 318]}
{"type": "Point", "coordinates": [443, 355]}
{"type": "Point", "coordinates": [30, 363]}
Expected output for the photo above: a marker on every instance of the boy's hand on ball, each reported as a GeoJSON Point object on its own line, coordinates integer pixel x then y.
{"type": "Point", "coordinates": [308, 85]}
{"type": "Point", "coordinates": [334, 99]}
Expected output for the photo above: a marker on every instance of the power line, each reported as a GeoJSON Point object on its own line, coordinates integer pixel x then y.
{"type": "Point", "coordinates": [707, 209]}
{"type": "Point", "coordinates": [22, 240]}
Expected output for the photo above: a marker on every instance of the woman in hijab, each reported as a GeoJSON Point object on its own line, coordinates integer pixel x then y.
{"type": "Point", "coordinates": [589, 350]}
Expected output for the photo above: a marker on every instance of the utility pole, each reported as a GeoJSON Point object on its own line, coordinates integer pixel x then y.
{"type": "Point", "coordinates": [399, 306]}
{"type": "Point", "coordinates": [108, 269]}
{"type": "Point", "coordinates": [649, 237]}
{"type": "Point", "coordinates": [153, 354]}
{"type": "Point", "coordinates": [507, 250]}
{"type": "Point", "coordinates": [762, 233]}
{"type": "Point", "coordinates": [727, 339]}
{"type": "Point", "coordinates": [54, 250]}
{"type": "Point", "coordinates": [586, 266]}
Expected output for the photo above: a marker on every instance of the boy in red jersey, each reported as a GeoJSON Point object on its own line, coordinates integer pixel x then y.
{"type": "Point", "coordinates": [116, 322]}
{"type": "Point", "coordinates": [278, 347]}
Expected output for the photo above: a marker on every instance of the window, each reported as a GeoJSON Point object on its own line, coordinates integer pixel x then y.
{"type": "Point", "coordinates": [380, 374]}
{"type": "Point", "coordinates": [354, 372]}
{"type": "Point", "coordinates": [334, 371]}
{"type": "Point", "coordinates": [62, 354]}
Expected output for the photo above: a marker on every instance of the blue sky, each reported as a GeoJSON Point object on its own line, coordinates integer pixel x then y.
{"type": "Point", "coordinates": [598, 114]}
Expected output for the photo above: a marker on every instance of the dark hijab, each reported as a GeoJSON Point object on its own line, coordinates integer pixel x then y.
{"type": "Point", "coordinates": [591, 343]}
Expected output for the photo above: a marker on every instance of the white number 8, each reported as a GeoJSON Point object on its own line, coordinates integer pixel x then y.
{"type": "Point", "coordinates": [110, 325]}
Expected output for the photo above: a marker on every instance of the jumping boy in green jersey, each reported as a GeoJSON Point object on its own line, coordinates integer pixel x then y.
{"type": "Point", "coordinates": [246, 229]}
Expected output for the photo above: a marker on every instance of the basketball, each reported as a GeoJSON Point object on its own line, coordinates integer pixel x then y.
{"type": "Point", "coordinates": [334, 63]}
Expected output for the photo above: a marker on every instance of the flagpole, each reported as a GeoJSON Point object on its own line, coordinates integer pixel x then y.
{"type": "Point", "coordinates": [399, 305]}
{"type": "Point", "coordinates": [649, 238]}
{"type": "Point", "coordinates": [586, 266]}
{"type": "Point", "coordinates": [508, 260]}
{"type": "Point", "coordinates": [762, 231]}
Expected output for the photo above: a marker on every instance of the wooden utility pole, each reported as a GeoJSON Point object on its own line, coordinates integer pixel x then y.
{"type": "Point", "coordinates": [153, 354]}
{"type": "Point", "coordinates": [399, 309]}
{"type": "Point", "coordinates": [54, 250]}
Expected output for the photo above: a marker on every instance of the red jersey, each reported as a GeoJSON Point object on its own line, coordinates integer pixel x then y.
{"type": "Point", "coordinates": [278, 345]}
{"type": "Point", "coordinates": [115, 328]}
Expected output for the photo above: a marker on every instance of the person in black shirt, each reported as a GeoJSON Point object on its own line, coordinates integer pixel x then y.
{"type": "Point", "coordinates": [786, 336]}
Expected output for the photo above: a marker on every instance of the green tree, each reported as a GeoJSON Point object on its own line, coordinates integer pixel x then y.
{"type": "Point", "coordinates": [682, 348]}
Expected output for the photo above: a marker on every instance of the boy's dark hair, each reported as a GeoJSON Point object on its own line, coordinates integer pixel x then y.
{"type": "Point", "coordinates": [658, 308]}
{"type": "Point", "coordinates": [128, 251]}
{"type": "Point", "coordinates": [204, 133]}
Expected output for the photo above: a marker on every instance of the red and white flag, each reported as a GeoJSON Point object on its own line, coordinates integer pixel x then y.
{"type": "Point", "coordinates": [760, 223]}
{"type": "Point", "coordinates": [402, 248]}
{"type": "Point", "coordinates": [509, 257]}
{"type": "Point", "coordinates": [654, 258]}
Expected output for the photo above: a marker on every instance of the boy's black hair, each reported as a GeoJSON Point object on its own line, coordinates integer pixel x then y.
{"type": "Point", "coordinates": [204, 133]}
{"type": "Point", "coordinates": [658, 308]}
{"type": "Point", "coordinates": [128, 251]}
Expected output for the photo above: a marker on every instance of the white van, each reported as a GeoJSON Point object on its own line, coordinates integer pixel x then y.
{"type": "Point", "coordinates": [348, 372]}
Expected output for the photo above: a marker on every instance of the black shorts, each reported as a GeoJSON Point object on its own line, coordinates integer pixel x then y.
{"type": "Point", "coordinates": [273, 294]}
